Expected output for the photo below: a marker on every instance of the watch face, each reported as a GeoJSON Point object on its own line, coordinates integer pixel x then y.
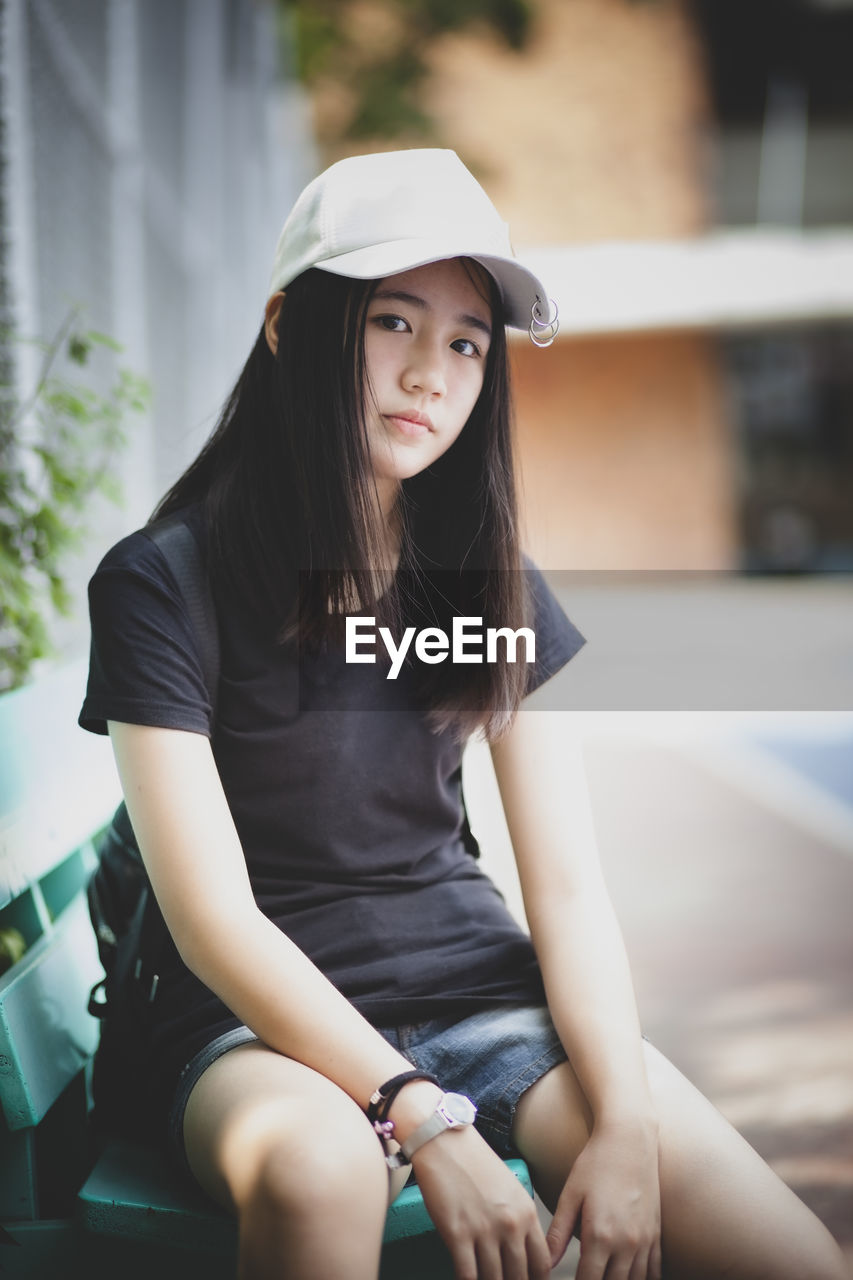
{"type": "Point", "coordinates": [460, 1109]}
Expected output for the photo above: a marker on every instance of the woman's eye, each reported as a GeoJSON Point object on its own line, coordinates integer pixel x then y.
{"type": "Point", "coordinates": [394, 324]}
{"type": "Point", "coordinates": [466, 347]}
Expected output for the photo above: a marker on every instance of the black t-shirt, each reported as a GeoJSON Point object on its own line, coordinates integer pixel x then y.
{"type": "Point", "coordinates": [347, 804]}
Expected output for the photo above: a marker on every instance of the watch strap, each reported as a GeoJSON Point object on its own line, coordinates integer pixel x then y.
{"type": "Point", "coordinates": [433, 1125]}
{"type": "Point", "coordinates": [440, 1120]}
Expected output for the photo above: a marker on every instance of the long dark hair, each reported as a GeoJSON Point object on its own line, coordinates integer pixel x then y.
{"type": "Point", "coordinates": [287, 496]}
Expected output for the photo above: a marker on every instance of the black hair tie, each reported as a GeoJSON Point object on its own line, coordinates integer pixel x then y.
{"type": "Point", "coordinates": [381, 1101]}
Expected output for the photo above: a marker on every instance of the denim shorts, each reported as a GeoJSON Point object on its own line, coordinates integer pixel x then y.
{"type": "Point", "coordinates": [493, 1056]}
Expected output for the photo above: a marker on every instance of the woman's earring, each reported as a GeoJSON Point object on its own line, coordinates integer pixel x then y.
{"type": "Point", "coordinates": [539, 327]}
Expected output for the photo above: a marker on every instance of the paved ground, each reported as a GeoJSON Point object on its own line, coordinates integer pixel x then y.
{"type": "Point", "coordinates": [728, 846]}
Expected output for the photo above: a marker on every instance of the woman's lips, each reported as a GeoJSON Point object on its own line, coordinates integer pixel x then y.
{"type": "Point", "coordinates": [411, 424]}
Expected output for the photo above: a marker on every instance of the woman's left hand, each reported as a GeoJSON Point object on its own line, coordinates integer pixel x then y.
{"type": "Point", "coordinates": [612, 1197]}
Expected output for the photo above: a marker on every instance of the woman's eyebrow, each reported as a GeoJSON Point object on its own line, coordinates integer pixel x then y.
{"type": "Point", "coordinates": [399, 295]}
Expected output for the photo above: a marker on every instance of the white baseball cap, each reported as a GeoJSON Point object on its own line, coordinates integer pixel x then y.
{"type": "Point", "coordinates": [376, 215]}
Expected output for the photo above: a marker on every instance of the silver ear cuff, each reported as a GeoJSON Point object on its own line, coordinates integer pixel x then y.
{"type": "Point", "coordinates": [539, 328]}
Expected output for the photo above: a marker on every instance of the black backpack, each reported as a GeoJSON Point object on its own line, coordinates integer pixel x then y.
{"type": "Point", "coordinates": [131, 934]}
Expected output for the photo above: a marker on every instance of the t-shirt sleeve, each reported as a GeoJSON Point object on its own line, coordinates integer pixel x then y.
{"type": "Point", "coordinates": [144, 666]}
{"type": "Point", "coordinates": [557, 639]}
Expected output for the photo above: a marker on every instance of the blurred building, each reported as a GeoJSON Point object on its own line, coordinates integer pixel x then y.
{"type": "Point", "coordinates": [783, 96]}
{"type": "Point", "coordinates": [682, 177]}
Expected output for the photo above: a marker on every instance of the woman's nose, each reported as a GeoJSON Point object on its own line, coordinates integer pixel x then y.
{"type": "Point", "coordinates": [425, 372]}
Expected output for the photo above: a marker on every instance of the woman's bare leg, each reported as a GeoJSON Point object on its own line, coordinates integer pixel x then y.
{"type": "Point", "coordinates": [724, 1211]}
{"type": "Point", "coordinates": [295, 1158]}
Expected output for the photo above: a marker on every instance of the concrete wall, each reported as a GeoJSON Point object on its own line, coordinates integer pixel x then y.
{"type": "Point", "coordinates": [151, 152]}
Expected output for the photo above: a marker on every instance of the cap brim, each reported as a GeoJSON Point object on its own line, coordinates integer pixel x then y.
{"type": "Point", "coordinates": [520, 288]}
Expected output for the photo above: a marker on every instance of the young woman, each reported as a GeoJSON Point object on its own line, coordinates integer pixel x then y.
{"type": "Point", "coordinates": [307, 844]}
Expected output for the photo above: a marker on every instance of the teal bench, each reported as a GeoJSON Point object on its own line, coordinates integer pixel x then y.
{"type": "Point", "coordinates": [68, 1207]}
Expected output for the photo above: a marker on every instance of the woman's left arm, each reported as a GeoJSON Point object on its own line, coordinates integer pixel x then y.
{"type": "Point", "coordinates": [612, 1193]}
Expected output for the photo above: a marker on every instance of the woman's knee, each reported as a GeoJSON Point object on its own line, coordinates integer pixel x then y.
{"type": "Point", "coordinates": [261, 1127]}
{"type": "Point", "coordinates": [329, 1165]}
{"type": "Point", "coordinates": [315, 1203]}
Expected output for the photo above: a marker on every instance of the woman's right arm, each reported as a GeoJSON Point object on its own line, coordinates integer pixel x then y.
{"type": "Point", "coordinates": [195, 862]}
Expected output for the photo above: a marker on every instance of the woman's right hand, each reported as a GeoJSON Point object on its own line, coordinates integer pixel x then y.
{"type": "Point", "coordinates": [480, 1209]}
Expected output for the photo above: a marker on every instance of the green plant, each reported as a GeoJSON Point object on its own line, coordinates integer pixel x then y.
{"type": "Point", "coordinates": [58, 445]}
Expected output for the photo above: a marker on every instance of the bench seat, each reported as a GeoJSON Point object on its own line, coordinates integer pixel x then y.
{"type": "Point", "coordinates": [135, 1197]}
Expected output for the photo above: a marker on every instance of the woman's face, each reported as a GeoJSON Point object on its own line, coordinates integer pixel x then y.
{"type": "Point", "coordinates": [426, 337]}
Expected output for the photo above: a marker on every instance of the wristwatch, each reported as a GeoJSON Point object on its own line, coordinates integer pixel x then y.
{"type": "Point", "coordinates": [452, 1111]}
